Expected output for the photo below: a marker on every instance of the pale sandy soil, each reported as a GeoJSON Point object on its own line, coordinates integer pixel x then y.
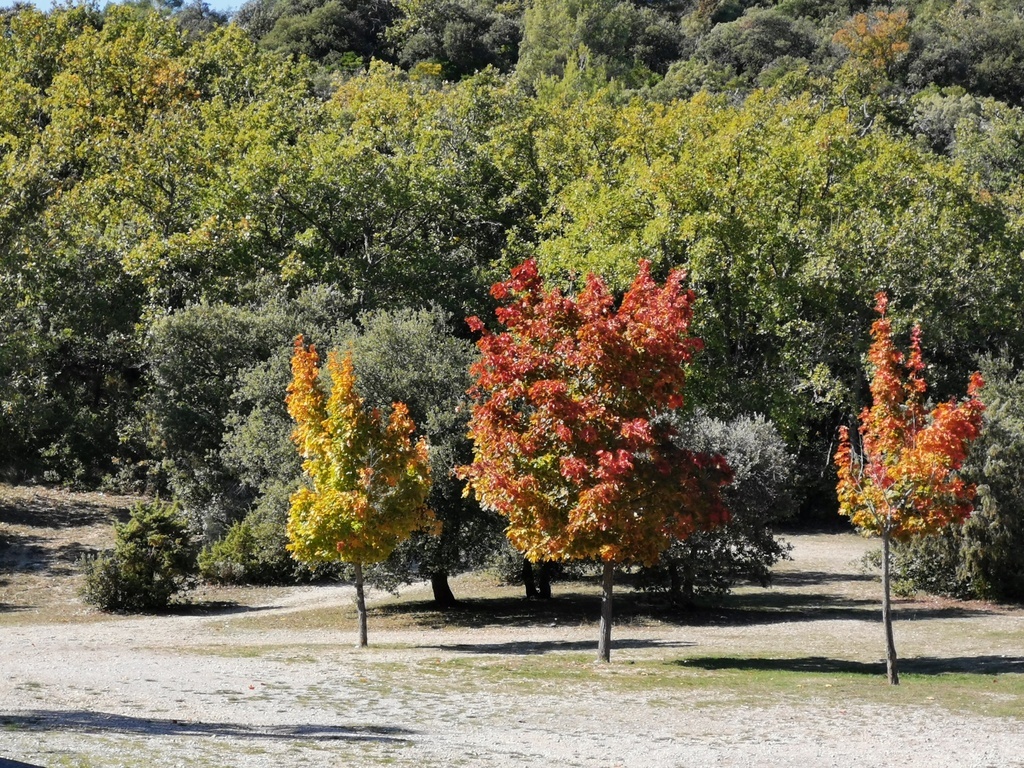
{"type": "Point", "coordinates": [255, 686]}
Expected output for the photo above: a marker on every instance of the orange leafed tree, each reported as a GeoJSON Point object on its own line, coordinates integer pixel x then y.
{"type": "Point", "coordinates": [876, 40]}
{"type": "Point", "coordinates": [367, 481]}
{"type": "Point", "coordinates": [567, 441]}
{"type": "Point", "coordinates": [903, 478]}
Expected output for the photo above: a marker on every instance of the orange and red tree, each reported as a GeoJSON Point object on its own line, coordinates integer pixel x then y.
{"type": "Point", "coordinates": [568, 443]}
{"type": "Point", "coordinates": [902, 480]}
{"type": "Point", "coordinates": [367, 481]}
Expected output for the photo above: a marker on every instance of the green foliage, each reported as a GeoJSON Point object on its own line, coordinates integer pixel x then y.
{"type": "Point", "coordinates": [414, 357]}
{"type": "Point", "coordinates": [626, 41]}
{"type": "Point", "coordinates": [252, 552]}
{"type": "Point", "coordinates": [152, 561]}
{"type": "Point", "coordinates": [335, 32]}
{"type": "Point", "coordinates": [175, 192]}
{"type": "Point", "coordinates": [195, 357]}
{"type": "Point", "coordinates": [788, 218]}
{"type": "Point", "coordinates": [759, 38]}
{"type": "Point", "coordinates": [462, 36]}
{"type": "Point", "coordinates": [978, 47]}
{"type": "Point", "coordinates": [708, 563]}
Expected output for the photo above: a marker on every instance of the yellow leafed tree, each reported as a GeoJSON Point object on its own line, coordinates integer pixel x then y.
{"type": "Point", "coordinates": [367, 480]}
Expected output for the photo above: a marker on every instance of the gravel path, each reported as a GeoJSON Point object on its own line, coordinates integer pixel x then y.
{"type": "Point", "coordinates": [248, 687]}
{"type": "Point", "coordinates": [210, 690]}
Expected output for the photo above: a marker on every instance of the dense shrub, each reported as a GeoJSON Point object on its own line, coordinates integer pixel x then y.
{"type": "Point", "coordinates": [708, 563]}
{"type": "Point", "coordinates": [153, 559]}
{"type": "Point", "coordinates": [253, 549]}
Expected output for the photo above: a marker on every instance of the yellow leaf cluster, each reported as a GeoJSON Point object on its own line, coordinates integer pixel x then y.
{"type": "Point", "coordinates": [367, 481]}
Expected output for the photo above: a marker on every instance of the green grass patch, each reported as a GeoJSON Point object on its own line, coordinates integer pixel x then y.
{"type": "Point", "coordinates": [992, 689]}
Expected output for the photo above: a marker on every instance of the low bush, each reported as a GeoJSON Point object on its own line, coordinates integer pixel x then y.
{"type": "Point", "coordinates": [708, 563]}
{"type": "Point", "coordinates": [984, 557]}
{"type": "Point", "coordinates": [152, 561]}
{"type": "Point", "coordinates": [253, 551]}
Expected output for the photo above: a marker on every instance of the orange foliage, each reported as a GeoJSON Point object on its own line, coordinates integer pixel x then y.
{"type": "Point", "coordinates": [567, 441]}
{"type": "Point", "coordinates": [904, 479]}
{"type": "Point", "coordinates": [878, 39]}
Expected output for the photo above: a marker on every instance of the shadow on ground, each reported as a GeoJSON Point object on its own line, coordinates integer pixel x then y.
{"type": "Point", "coordinates": [528, 648]}
{"type": "Point", "coordinates": [214, 608]}
{"type": "Point", "coordinates": [817, 578]}
{"type": "Point", "coordinates": [774, 606]}
{"type": "Point", "coordinates": [28, 554]}
{"type": "Point", "coordinates": [767, 606]}
{"type": "Point", "coordinates": [49, 510]}
{"type": "Point", "coordinates": [921, 665]}
{"type": "Point", "coordinates": [102, 722]}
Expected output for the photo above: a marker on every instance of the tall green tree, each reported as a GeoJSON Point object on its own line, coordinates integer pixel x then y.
{"type": "Point", "coordinates": [787, 216]}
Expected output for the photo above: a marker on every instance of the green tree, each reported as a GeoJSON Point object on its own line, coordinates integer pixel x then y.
{"type": "Point", "coordinates": [982, 557]}
{"type": "Point", "coordinates": [338, 33]}
{"type": "Point", "coordinates": [152, 561]}
{"type": "Point", "coordinates": [413, 356]}
{"type": "Point", "coordinates": [756, 40]}
{"type": "Point", "coordinates": [707, 563]}
{"type": "Point", "coordinates": [627, 41]}
{"type": "Point", "coordinates": [787, 216]}
{"type": "Point", "coordinates": [462, 36]}
{"type": "Point", "coordinates": [196, 358]}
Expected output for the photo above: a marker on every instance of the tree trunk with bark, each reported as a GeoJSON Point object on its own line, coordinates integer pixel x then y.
{"type": "Point", "coordinates": [528, 583]}
{"type": "Point", "coordinates": [890, 645]}
{"type": "Point", "coordinates": [544, 582]}
{"type": "Point", "coordinates": [604, 643]}
{"type": "Point", "coordinates": [361, 605]}
{"type": "Point", "coordinates": [443, 595]}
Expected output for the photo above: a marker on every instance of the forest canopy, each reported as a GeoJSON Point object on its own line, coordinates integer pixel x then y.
{"type": "Point", "coordinates": [181, 194]}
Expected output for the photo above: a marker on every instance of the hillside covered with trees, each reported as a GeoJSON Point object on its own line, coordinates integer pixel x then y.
{"type": "Point", "coordinates": [182, 194]}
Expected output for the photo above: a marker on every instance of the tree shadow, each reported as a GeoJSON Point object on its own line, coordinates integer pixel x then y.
{"type": "Point", "coordinates": [46, 512]}
{"type": "Point", "coordinates": [214, 608]}
{"type": "Point", "coordinates": [773, 607]}
{"type": "Point", "coordinates": [817, 578]}
{"type": "Point", "coordinates": [5, 763]}
{"type": "Point", "coordinates": [103, 722]}
{"type": "Point", "coordinates": [28, 554]}
{"type": "Point", "coordinates": [540, 648]}
{"type": "Point", "coordinates": [920, 665]}
{"type": "Point", "coordinates": [506, 611]}
{"type": "Point", "coordinates": [767, 606]}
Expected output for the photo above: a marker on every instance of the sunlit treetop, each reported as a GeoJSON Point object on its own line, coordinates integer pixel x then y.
{"type": "Point", "coordinates": [903, 479]}
{"type": "Point", "coordinates": [568, 441]}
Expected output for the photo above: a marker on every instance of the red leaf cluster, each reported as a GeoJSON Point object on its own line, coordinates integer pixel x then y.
{"type": "Point", "coordinates": [904, 479]}
{"type": "Point", "coordinates": [567, 443]}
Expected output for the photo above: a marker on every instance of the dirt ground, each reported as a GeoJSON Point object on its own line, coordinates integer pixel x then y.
{"type": "Point", "coordinates": [257, 677]}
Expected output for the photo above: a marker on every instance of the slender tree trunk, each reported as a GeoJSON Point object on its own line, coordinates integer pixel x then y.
{"type": "Point", "coordinates": [890, 645]}
{"type": "Point", "coordinates": [361, 605]}
{"type": "Point", "coordinates": [675, 584]}
{"type": "Point", "coordinates": [604, 643]}
{"type": "Point", "coordinates": [689, 583]}
{"type": "Point", "coordinates": [443, 595]}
